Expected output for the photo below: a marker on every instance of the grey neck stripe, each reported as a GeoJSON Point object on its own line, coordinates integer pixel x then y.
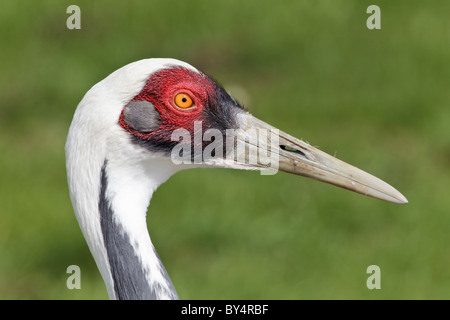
{"type": "Point", "coordinates": [130, 282]}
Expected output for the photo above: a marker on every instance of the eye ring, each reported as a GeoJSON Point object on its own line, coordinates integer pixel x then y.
{"type": "Point", "coordinates": [183, 100]}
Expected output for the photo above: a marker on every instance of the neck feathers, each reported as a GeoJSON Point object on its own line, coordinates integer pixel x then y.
{"type": "Point", "coordinates": [135, 267]}
{"type": "Point", "coordinates": [110, 199]}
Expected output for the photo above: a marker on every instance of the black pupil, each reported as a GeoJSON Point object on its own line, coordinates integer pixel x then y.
{"type": "Point", "coordinates": [184, 99]}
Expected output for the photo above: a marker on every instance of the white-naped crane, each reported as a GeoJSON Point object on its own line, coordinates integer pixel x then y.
{"type": "Point", "coordinates": [120, 149]}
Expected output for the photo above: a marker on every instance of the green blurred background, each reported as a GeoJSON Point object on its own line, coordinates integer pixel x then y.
{"type": "Point", "coordinates": [378, 99]}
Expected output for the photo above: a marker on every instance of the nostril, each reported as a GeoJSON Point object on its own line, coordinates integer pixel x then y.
{"type": "Point", "coordinates": [293, 150]}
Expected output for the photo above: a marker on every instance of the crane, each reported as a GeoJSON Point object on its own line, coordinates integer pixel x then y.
{"type": "Point", "coordinates": [120, 148]}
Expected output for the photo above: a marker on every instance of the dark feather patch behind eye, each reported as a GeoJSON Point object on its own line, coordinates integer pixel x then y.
{"type": "Point", "coordinates": [142, 116]}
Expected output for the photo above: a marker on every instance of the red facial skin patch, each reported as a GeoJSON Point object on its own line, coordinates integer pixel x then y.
{"type": "Point", "coordinates": [161, 90]}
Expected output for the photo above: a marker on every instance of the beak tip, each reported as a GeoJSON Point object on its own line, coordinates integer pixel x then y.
{"type": "Point", "coordinates": [403, 200]}
{"type": "Point", "coordinates": [399, 198]}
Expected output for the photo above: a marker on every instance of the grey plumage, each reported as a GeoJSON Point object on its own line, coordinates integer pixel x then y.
{"type": "Point", "coordinates": [129, 278]}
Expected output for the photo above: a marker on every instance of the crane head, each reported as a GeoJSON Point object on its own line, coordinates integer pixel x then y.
{"type": "Point", "coordinates": [184, 115]}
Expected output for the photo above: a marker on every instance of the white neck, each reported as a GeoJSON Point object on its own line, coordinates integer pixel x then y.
{"type": "Point", "coordinates": [110, 195]}
{"type": "Point", "coordinates": [135, 268]}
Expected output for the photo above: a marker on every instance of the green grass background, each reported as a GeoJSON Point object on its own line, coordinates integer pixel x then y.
{"type": "Point", "coordinates": [378, 99]}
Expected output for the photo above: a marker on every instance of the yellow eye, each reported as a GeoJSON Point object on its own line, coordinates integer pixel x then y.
{"type": "Point", "coordinates": [183, 100]}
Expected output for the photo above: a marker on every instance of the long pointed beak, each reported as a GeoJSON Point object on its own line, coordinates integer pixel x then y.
{"type": "Point", "coordinates": [274, 149]}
